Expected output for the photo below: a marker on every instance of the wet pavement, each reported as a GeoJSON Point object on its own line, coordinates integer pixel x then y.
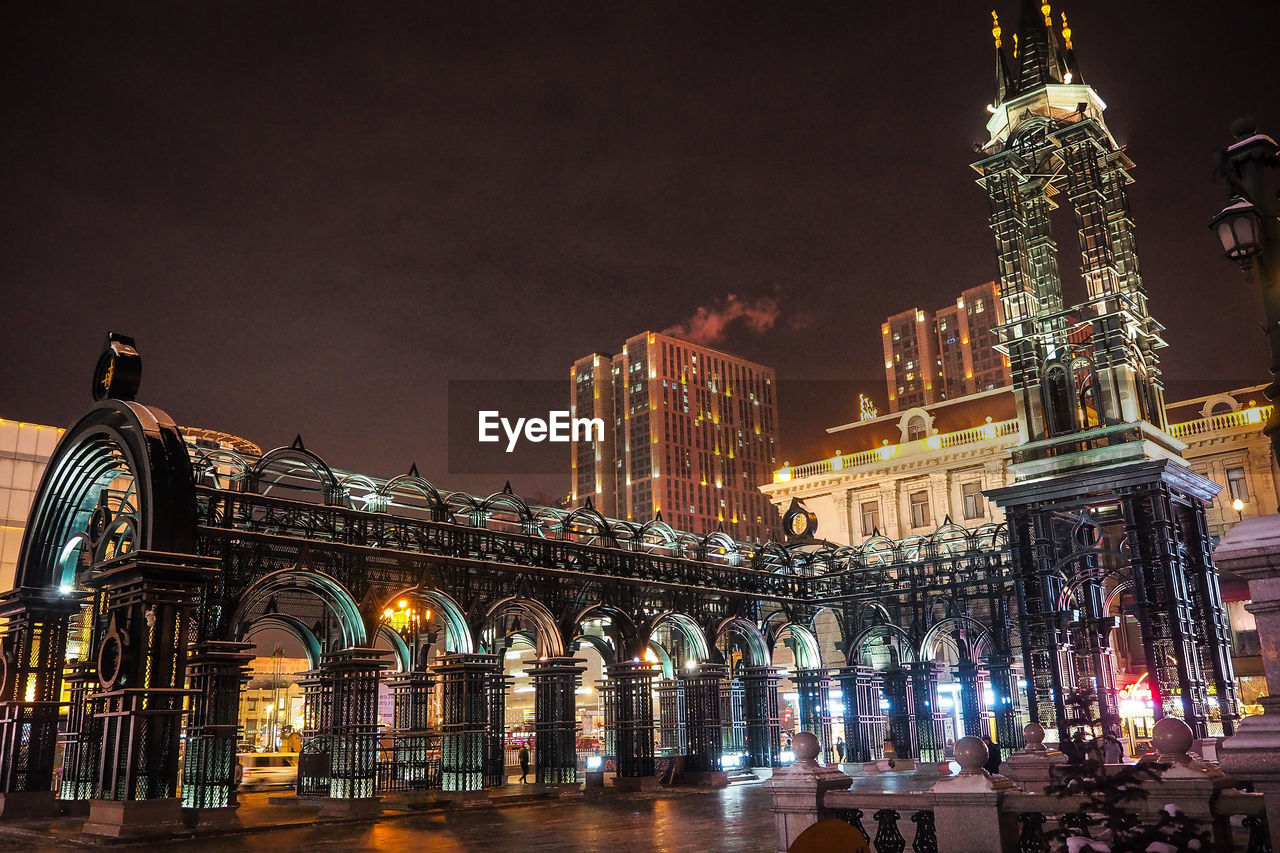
{"type": "Point", "coordinates": [732, 819]}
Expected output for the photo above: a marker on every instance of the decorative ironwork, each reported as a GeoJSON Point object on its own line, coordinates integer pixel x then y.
{"type": "Point", "coordinates": [853, 817]}
{"type": "Point", "coordinates": [1031, 839]}
{"type": "Point", "coordinates": [926, 840]}
{"type": "Point", "coordinates": [1259, 834]}
{"type": "Point", "coordinates": [888, 838]}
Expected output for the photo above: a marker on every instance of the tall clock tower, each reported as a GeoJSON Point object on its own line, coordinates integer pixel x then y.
{"type": "Point", "coordinates": [1105, 519]}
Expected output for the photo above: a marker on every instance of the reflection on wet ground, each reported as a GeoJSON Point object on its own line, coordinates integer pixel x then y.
{"type": "Point", "coordinates": [732, 819]}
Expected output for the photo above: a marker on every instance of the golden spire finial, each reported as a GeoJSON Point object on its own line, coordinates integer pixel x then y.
{"type": "Point", "coordinates": [1015, 45]}
{"type": "Point", "coordinates": [1066, 31]}
{"type": "Point", "coordinates": [1047, 11]}
{"type": "Point", "coordinates": [995, 27]}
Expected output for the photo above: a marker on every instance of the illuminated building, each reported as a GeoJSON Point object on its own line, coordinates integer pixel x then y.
{"type": "Point", "coordinates": [24, 452]}
{"type": "Point", "coordinates": [931, 356]}
{"type": "Point", "coordinates": [690, 432]}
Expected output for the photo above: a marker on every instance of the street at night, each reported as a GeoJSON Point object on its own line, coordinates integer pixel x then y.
{"type": "Point", "coordinates": [804, 426]}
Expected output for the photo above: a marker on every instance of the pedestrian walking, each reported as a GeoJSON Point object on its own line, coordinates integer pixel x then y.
{"type": "Point", "coordinates": [993, 756]}
{"type": "Point", "coordinates": [524, 763]}
{"type": "Point", "coordinates": [840, 750]}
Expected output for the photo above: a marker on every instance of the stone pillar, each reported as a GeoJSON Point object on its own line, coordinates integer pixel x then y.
{"type": "Point", "coordinates": [798, 791]}
{"type": "Point", "coordinates": [216, 672]}
{"type": "Point", "coordinates": [1032, 768]}
{"type": "Point", "coordinates": [702, 705]}
{"type": "Point", "coordinates": [32, 654]}
{"type": "Point", "coordinates": [814, 687]}
{"type": "Point", "coordinates": [555, 681]}
{"type": "Point", "coordinates": [966, 807]}
{"type": "Point", "coordinates": [413, 739]}
{"type": "Point", "coordinates": [466, 681]}
{"type": "Point", "coordinates": [764, 725]}
{"type": "Point", "coordinates": [147, 601]}
{"type": "Point", "coordinates": [1252, 551]}
{"type": "Point", "coordinates": [631, 700]}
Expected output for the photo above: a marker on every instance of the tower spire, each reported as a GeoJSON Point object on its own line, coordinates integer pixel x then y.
{"type": "Point", "coordinates": [1039, 56]}
{"type": "Point", "coordinates": [1072, 72]}
{"type": "Point", "coordinates": [1004, 79]}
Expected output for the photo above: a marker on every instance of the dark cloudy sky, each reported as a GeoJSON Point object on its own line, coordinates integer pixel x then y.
{"type": "Point", "coordinates": [313, 215]}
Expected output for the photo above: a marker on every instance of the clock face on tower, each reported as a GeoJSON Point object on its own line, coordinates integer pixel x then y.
{"type": "Point", "coordinates": [798, 522]}
{"type": "Point", "coordinates": [119, 369]}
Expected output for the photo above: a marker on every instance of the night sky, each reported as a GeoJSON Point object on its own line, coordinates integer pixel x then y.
{"type": "Point", "coordinates": [313, 216]}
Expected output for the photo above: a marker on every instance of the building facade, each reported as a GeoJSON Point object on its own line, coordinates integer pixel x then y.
{"type": "Point", "coordinates": [24, 452]}
{"type": "Point", "coordinates": [930, 356]}
{"type": "Point", "coordinates": [691, 432]}
{"type": "Point", "coordinates": [908, 472]}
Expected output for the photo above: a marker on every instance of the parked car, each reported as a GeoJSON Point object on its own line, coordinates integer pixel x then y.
{"type": "Point", "coordinates": [267, 769]}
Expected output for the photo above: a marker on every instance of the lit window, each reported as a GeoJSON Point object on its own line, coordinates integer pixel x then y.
{"type": "Point", "coordinates": [919, 509]}
{"type": "Point", "coordinates": [974, 506]}
{"type": "Point", "coordinates": [870, 517]}
{"type": "Point", "coordinates": [1237, 485]}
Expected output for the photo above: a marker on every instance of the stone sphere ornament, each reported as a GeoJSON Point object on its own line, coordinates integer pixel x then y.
{"type": "Point", "coordinates": [806, 747]}
{"type": "Point", "coordinates": [1171, 737]}
{"type": "Point", "coordinates": [971, 754]}
{"type": "Point", "coordinates": [1033, 734]}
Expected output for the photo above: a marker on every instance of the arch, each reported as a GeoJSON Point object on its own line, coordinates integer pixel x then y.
{"type": "Point", "coordinates": [409, 484]}
{"type": "Point", "coordinates": [603, 534]}
{"type": "Point", "coordinates": [657, 534]}
{"type": "Point", "coordinates": [331, 593]}
{"type": "Point", "coordinates": [756, 646]}
{"type": "Point", "coordinates": [689, 629]}
{"type": "Point", "coordinates": [294, 626]}
{"type": "Point", "coordinates": [112, 438]}
{"type": "Point", "coordinates": [910, 417]}
{"type": "Point", "coordinates": [514, 504]}
{"type": "Point", "coordinates": [372, 496]}
{"type": "Point", "coordinates": [220, 468]}
{"type": "Point", "coordinates": [979, 647]}
{"type": "Point", "coordinates": [600, 644]}
{"type": "Point", "coordinates": [906, 648]}
{"type": "Point", "coordinates": [772, 557]}
{"type": "Point", "coordinates": [399, 648]}
{"type": "Point", "coordinates": [1213, 403]}
{"type": "Point", "coordinates": [297, 469]}
{"type": "Point", "coordinates": [457, 632]}
{"type": "Point", "coordinates": [549, 642]}
{"type": "Point", "coordinates": [804, 643]}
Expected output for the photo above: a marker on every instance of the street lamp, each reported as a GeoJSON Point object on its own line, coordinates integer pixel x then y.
{"type": "Point", "coordinates": [1249, 230]}
{"type": "Point", "coordinates": [1238, 506]}
{"type": "Point", "coordinates": [1237, 227]}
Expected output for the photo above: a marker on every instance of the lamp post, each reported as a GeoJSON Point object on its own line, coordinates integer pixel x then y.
{"type": "Point", "coordinates": [1249, 230]}
{"type": "Point", "coordinates": [1238, 506]}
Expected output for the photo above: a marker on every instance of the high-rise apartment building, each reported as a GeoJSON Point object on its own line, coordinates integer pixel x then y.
{"type": "Point", "coordinates": [690, 433]}
{"type": "Point", "coordinates": [930, 356]}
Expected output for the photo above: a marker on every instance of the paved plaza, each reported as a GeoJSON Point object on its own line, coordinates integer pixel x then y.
{"type": "Point", "coordinates": [733, 819]}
